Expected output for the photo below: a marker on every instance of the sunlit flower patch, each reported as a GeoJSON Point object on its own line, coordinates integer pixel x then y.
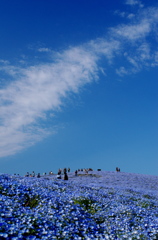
{"type": "Point", "coordinates": [80, 208]}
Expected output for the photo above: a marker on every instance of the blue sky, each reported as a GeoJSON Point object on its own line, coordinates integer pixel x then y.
{"type": "Point", "coordinates": [78, 85]}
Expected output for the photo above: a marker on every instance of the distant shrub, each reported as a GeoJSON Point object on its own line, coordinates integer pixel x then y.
{"type": "Point", "coordinates": [87, 204]}
{"type": "Point", "coordinates": [147, 196]}
{"type": "Point", "coordinates": [31, 202]}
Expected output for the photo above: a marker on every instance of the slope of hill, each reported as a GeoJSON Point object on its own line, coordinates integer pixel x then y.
{"type": "Point", "coordinates": [100, 205]}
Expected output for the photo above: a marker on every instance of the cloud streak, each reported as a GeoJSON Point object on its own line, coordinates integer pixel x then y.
{"type": "Point", "coordinates": [134, 2]}
{"type": "Point", "coordinates": [35, 90]}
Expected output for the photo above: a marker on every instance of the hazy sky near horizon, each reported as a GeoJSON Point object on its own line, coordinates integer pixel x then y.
{"type": "Point", "coordinates": [78, 85]}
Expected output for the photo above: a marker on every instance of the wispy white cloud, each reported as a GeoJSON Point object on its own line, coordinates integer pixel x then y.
{"type": "Point", "coordinates": [37, 89]}
{"type": "Point", "coordinates": [155, 62]}
{"type": "Point", "coordinates": [44, 50]}
{"type": "Point", "coordinates": [134, 2]}
{"type": "Point", "coordinates": [130, 15]}
{"type": "Point", "coordinates": [144, 23]}
{"type": "Point", "coordinates": [4, 61]}
{"type": "Point", "coordinates": [122, 71]}
{"type": "Point", "coordinates": [120, 13]}
{"type": "Point", "coordinates": [144, 52]}
{"type": "Point", "coordinates": [9, 69]}
{"type": "Point", "coordinates": [133, 32]}
{"type": "Point", "coordinates": [124, 14]}
{"type": "Point", "coordinates": [138, 37]}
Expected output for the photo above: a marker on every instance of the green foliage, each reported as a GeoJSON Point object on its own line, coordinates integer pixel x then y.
{"type": "Point", "coordinates": [87, 204]}
{"type": "Point", "coordinates": [32, 231]}
{"type": "Point", "coordinates": [147, 196]}
{"type": "Point", "coordinates": [100, 220]}
{"type": "Point", "coordinates": [111, 193]}
{"type": "Point", "coordinates": [156, 236]}
{"type": "Point", "coordinates": [134, 199]}
{"type": "Point", "coordinates": [30, 201]}
{"type": "Point", "coordinates": [141, 237]}
{"type": "Point", "coordinates": [1, 189]}
{"type": "Point", "coordinates": [146, 204]}
{"type": "Point", "coordinates": [5, 192]}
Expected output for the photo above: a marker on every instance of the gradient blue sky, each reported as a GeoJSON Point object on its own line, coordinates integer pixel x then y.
{"type": "Point", "coordinates": [78, 85]}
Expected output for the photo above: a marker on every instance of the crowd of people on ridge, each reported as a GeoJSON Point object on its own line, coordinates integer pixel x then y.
{"type": "Point", "coordinates": [64, 172]}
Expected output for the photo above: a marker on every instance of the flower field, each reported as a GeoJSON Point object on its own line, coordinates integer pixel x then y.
{"type": "Point", "coordinates": [100, 205]}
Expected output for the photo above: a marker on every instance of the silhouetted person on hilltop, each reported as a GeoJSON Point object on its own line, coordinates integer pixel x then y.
{"type": "Point", "coordinates": [86, 171]}
{"type": "Point", "coordinates": [117, 169]}
{"type": "Point", "coordinates": [38, 175]}
{"type": "Point", "coordinates": [58, 176]}
{"type": "Point", "coordinates": [65, 176]}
